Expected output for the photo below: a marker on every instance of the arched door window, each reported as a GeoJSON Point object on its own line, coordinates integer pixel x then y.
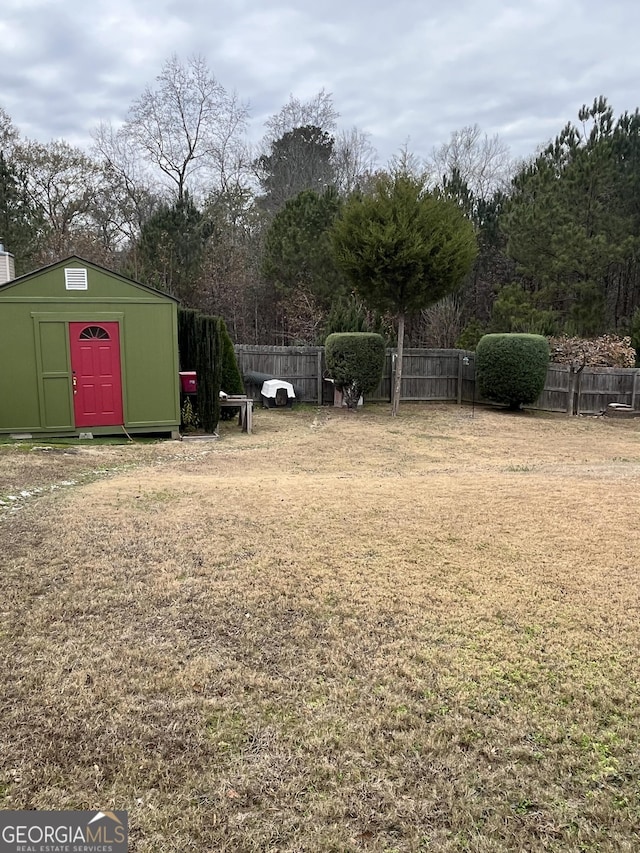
{"type": "Point", "coordinates": [94, 333]}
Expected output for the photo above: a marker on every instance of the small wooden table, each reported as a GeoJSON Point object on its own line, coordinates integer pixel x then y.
{"type": "Point", "coordinates": [245, 404]}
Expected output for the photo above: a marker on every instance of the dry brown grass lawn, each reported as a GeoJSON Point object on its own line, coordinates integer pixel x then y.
{"type": "Point", "coordinates": [342, 633]}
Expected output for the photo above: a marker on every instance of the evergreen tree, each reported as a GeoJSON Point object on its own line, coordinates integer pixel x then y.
{"type": "Point", "coordinates": [301, 159]}
{"type": "Point", "coordinates": [573, 222]}
{"type": "Point", "coordinates": [170, 251]}
{"type": "Point", "coordinates": [209, 354]}
{"type": "Point", "coordinates": [231, 378]}
{"type": "Point", "coordinates": [349, 314]}
{"type": "Point", "coordinates": [492, 267]}
{"type": "Point", "coordinates": [21, 223]}
{"type": "Point", "coordinates": [403, 249]}
{"type": "Point", "coordinates": [515, 310]}
{"type": "Point", "coordinates": [297, 251]}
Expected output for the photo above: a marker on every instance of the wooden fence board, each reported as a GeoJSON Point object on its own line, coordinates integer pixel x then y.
{"type": "Point", "coordinates": [557, 388]}
{"type": "Point", "coordinates": [600, 386]}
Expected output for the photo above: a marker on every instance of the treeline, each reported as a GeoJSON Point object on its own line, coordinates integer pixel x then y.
{"type": "Point", "coordinates": [178, 199]}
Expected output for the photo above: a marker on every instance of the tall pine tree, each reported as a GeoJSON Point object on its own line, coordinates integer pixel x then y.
{"type": "Point", "coordinates": [21, 223]}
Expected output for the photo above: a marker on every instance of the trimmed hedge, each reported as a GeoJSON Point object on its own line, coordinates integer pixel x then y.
{"type": "Point", "coordinates": [209, 370]}
{"type": "Point", "coordinates": [355, 361]}
{"type": "Point", "coordinates": [200, 346]}
{"type": "Point", "coordinates": [232, 382]}
{"type": "Point", "coordinates": [512, 368]}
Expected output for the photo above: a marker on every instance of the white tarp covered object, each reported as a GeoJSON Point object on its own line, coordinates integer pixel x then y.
{"type": "Point", "coordinates": [271, 386]}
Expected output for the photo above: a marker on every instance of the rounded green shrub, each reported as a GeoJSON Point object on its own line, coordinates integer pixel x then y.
{"type": "Point", "coordinates": [512, 368]}
{"type": "Point", "coordinates": [355, 361]}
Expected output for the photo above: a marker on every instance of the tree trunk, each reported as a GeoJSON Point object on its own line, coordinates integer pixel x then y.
{"type": "Point", "coordinates": [398, 371]}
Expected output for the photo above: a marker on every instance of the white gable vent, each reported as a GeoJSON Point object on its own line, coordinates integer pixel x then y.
{"type": "Point", "coordinates": [7, 268]}
{"type": "Point", "coordinates": [75, 279]}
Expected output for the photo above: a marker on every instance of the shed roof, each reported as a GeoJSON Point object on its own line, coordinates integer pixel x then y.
{"type": "Point", "coordinates": [86, 263]}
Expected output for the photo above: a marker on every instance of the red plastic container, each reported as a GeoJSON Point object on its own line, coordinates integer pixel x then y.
{"type": "Point", "coordinates": [188, 382]}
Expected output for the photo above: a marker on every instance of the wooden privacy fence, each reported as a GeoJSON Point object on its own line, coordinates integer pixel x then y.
{"type": "Point", "coordinates": [444, 375]}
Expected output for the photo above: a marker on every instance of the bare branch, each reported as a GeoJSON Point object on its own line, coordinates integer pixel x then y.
{"type": "Point", "coordinates": [354, 159]}
{"type": "Point", "coordinates": [484, 163]}
{"type": "Point", "coordinates": [317, 111]}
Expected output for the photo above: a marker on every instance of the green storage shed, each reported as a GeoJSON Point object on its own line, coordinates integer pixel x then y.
{"type": "Point", "coordinates": [85, 350]}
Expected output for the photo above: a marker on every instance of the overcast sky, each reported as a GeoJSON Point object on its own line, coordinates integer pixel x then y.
{"type": "Point", "coordinates": [407, 72]}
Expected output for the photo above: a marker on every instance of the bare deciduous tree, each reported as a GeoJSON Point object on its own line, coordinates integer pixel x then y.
{"type": "Point", "coordinates": [483, 162]}
{"type": "Point", "coordinates": [187, 123]}
{"type": "Point", "coordinates": [8, 132]}
{"type": "Point", "coordinates": [354, 159]}
{"type": "Point", "coordinates": [441, 324]}
{"type": "Point", "coordinates": [63, 183]}
{"type": "Point", "coordinates": [129, 197]}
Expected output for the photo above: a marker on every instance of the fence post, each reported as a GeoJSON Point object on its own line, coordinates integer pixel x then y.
{"type": "Point", "coordinates": [460, 363]}
{"type": "Point", "coordinates": [570, 389]}
{"type": "Point", "coordinates": [319, 368]}
{"type": "Point", "coordinates": [394, 357]}
{"type": "Point", "coordinates": [579, 393]}
{"type": "Point", "coordinates": [634, 392]}
{"type": "Point", "coordinates": [575, 390]}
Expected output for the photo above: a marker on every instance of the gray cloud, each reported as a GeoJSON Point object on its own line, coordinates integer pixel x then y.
{"type": "Point", "coordinates": [406, 72]}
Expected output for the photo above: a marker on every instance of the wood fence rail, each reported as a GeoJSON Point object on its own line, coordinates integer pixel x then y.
{"type": "Point", "coordinates": [444, 375]}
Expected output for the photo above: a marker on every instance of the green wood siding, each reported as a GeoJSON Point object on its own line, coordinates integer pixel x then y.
{"type": "Point", "coordinates": [147, 398]}
{"type": "Point", "coordinates": [57, 409]}
{"type": "Point", "coordinates": [19, 406]}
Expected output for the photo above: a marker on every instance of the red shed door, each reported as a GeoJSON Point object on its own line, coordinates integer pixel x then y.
{"type": "Point", "coordinates": [97, 382]}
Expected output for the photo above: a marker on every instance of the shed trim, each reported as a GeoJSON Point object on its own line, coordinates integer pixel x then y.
{"type": "Point", "coordinates": [78, 316]}
{"type": "Point", "coordinates": [78, 300]}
